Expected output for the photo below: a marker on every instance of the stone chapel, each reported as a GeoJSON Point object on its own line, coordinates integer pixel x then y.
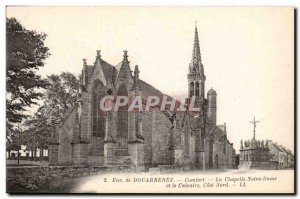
{"type": "Point", "coordinates": [91, 137]}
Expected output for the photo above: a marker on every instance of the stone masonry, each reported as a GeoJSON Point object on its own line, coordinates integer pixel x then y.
{"type": "Point", "coordinates": [189, 140]}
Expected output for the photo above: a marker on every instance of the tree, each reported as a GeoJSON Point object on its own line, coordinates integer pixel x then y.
{"type": "Point", "coordinates": [14, 140]}
{"type": "Point", "coordinates": [25, 54]}
{"type": "Point", "coordinates": [38, 131]}
{"type": "Point", "coordinates": [61, 95]}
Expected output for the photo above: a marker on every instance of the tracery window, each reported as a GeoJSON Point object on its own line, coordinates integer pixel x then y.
{"type": "Point", "coordinates": [197, 89]}
{"type": "Point", "coordinates": [224, 144]}
{"type": "Point", "coordinates": [191, 89]}
{"type": "Point", "coordinates": [98, 117]}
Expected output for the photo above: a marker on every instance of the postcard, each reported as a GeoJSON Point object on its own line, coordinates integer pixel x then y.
{"type": "Point", "coordinates": [150, 100]}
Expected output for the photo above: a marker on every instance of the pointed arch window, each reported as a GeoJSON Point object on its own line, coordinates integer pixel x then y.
{"type": "Point", "coordinates": [224, 146]}
{"type": "Point", "coordinates": [197, 89]}
{"type": "Point", "coordinates": [186, 141]}
{"type": "Point", "coordinates": [191, 89]}
{"type": "Point", "coordinates": [98, 117]}
{"type": "Point", "coordinates": [194, 69]}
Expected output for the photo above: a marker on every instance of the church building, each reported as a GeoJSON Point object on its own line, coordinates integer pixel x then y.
{"type": "Point", "coordinates": [92, 137]}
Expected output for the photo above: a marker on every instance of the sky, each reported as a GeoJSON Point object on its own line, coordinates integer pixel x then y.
{"type": "Point", "coordinates": [247, 53]}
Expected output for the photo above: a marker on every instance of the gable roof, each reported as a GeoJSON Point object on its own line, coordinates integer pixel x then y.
{"type": "Point", "coordinates": [217, 132]}
{"type": "Point", "coordinates": [277, 147]}
{"type": "Point", "coordinates": [111, 73]}
{"type": "Point", "coordinates": [283, 149]}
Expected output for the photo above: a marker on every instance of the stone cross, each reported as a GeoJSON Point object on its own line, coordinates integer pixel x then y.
{"type": "Point", "coordinates": [254, 126]}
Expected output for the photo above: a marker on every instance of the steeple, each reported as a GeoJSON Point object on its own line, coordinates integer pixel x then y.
{"type": "Point", "coordinates": [196, 63]}
{"type": "Point", "coordinates": [196, 77]}
{"type": "Point", "coordinates": [196, 49]}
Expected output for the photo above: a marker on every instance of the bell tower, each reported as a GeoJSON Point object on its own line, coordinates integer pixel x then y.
{"type": "Point", "coordinates": [196, 77]}
{"type": "Point", "coordinates": [196, 81]}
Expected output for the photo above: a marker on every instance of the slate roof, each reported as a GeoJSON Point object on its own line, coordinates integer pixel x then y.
{"type": "Point", "coordinates": [283, 149]}
{"type": "Point", "coordinates": [277, 147]}
{"type": "Point", "coordinates": [218, 132]}
{"type": "Point", "coordinates": [111, 74]}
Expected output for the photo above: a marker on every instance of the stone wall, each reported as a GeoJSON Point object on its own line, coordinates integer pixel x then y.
{"type": "Point", "coordinates": [32, 178]}
{"type": "Point", "coordinates": [161, 136]}
{"type": "Point", "coordinates": [225, 160]}
{"type": "Point", "coordinates": [64, 147]}
{"type": "Point", "coordinates": [53, 154]}
{"type": "Point", "coordinates": [147, 134]}
{"type": "Point", "coordinates": [156, 133]}
{"type": "Point", "coordinates": [258, 165]}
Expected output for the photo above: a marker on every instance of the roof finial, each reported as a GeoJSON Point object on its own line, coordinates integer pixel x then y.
{"type": "Point", "coordinates": [84, 61]}
{"type": "Point", "coordinates": [136, 73]}
{"type": "Point", "coordinates": [98, 54]}
{"type": "Point", "coordinates": [136, 77]}
{"type": "Point", "coordinates": [125, 53]}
